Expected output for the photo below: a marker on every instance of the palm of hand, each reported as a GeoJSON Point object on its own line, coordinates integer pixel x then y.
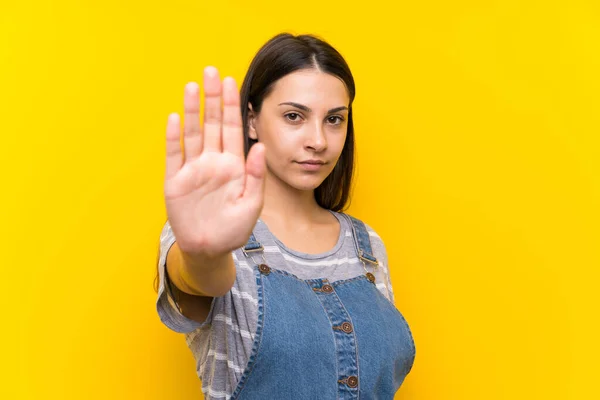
{"type": "Point", "coordinates": [212, 195]}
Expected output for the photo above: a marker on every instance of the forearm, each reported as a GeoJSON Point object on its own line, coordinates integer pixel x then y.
{"type": "Point", "coordinates": [198, 275]}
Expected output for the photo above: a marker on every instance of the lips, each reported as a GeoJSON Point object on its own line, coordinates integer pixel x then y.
{"type": "Point", "coordinates": [311, 165]}
{"type": "Point", "coordinates": [312, 162]}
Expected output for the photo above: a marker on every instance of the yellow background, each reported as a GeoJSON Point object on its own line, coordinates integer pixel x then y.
{"type": "Point", "coordinates": [478, 153]}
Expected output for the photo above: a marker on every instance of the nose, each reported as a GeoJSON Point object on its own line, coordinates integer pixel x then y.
{"type": "Point", "coordinates": [316, 139]}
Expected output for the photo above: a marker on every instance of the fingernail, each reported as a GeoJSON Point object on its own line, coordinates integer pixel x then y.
{"type": "Point", "coordinates": [211, 71]}
{"type": "Point", "coordinates": [192, 87]}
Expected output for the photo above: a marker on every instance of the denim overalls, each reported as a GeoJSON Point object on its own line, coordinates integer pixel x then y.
{"type": "Point", "coordinates": [317, 339]}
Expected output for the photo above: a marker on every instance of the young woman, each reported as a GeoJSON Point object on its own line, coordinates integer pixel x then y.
{"type": "Point", "coordinates": [279, 293]}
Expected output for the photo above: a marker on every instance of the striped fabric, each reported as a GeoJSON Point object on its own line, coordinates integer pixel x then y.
{"type": "Point", "coordinates": [222, 344]}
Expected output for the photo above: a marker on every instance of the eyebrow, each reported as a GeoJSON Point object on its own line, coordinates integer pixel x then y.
{"type": "Point", "coordinates": [305, 108]}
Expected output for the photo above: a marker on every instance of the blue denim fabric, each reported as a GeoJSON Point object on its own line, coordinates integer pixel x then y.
{"type": "Point", "coordinates": [317, 339]}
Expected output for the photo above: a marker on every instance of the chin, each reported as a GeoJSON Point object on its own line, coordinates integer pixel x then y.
{"type": "Point", "coordinates": [301, 181]}
{"type": "Point", "coordinates": [306, 182]}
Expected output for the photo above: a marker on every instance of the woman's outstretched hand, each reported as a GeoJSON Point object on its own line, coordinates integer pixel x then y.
{"type": "Point", "coordinates": [213, 195]}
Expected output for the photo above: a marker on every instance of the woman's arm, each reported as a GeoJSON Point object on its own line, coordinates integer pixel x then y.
{"type": "Point", "coordinates": [200, 276]}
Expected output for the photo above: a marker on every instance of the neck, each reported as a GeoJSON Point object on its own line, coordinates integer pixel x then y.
{"type": "Point", "coordinates": [299, 207]}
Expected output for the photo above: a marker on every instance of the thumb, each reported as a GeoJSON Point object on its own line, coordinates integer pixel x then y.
{"type": "Point", "coordinates": [255, 173]}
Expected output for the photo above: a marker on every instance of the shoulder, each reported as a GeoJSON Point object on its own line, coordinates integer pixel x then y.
{"type": "Point", "coordinates": [378, 245]}
{"type": "Point", "coordinates": [376, 240]}
{"type": "Point", "coordinates": [380, 252]}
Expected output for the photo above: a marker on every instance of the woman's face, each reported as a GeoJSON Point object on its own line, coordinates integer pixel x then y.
{"type": "Point", "coordinates": [304, 118]}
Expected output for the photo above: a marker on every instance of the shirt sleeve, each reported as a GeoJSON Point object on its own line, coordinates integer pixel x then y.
{"type": "Point", "coordinates": [383, 264]}
{"type": "Point", "coordinates": [384, 283]}
{"type": "Point", "coordinates": [166, 306]}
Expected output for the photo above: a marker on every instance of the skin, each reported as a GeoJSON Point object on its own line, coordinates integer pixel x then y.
{"type": "Point", "coordinates": [214, 197]}
{"type": "Point", "coordinates": [314, 127]}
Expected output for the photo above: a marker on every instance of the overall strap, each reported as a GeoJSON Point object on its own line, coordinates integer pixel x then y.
{"type": "Point", "coordinates": [362, 242]}
{"type": "Point", "coordinates": [252, 245]}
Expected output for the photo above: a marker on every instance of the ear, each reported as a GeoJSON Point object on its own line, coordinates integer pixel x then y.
{"type": "Point", "coordinates": [252, 123]}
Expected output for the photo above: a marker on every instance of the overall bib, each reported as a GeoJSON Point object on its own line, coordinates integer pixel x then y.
{"type": "Point", "coordinates": [317, 339]}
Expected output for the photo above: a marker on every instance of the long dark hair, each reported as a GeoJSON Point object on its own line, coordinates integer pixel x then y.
{"type": "Point", "coordinates": [282, 55]}
{"type": "Point", "coordinates": [278, 57]}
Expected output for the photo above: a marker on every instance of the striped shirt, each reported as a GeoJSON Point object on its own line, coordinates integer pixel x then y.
{"type": "Point", "coordinates": [222, 344]}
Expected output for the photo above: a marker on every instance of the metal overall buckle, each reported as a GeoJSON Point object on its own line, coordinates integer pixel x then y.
{"type": "Point", "coordinates": [369, 275]}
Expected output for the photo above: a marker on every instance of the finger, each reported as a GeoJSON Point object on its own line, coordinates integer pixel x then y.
{"type": "Point", "coordinates": [212, 110]}
{"type": "Point", "coordinates": [232, 119]}
{"type": "Point", "coordinates": [192, 136]}
{"type": "Point", "coordinates": [255, 174]}
{"type": "Point", "coordinates": [174, 155]}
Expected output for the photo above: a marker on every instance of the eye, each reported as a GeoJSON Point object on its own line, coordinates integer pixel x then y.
{"type": "Point", "coordinates": [293, 117]}
{"type": "Point", "coordinates": [335, 119]}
